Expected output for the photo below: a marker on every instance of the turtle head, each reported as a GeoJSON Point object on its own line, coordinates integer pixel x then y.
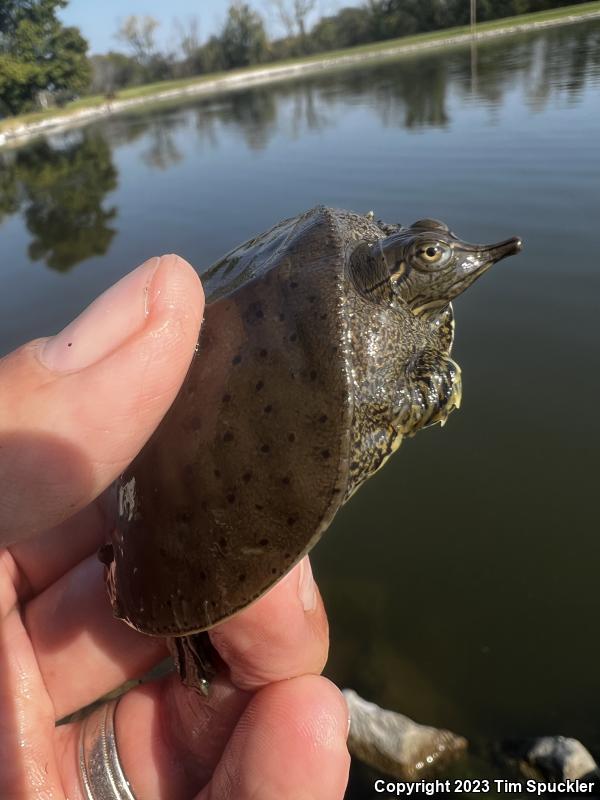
{"type": "Point", "coordinates": [404, 377]}
{"type": "Point", "coordinates": [429, 266]}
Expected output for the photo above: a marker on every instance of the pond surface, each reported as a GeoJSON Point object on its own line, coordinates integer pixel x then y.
{"type": "Point", "coordinates": [462, 581]}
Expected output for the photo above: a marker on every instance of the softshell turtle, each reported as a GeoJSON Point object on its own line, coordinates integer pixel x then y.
{"type": "Point", "coordinates": [326, 341]}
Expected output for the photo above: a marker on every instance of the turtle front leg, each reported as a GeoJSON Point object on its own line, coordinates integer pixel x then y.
{"type": "Point", "coordinates": [429, 390]}
{"type": "Point", "coordinates": [432, 389]}
{"type": "Point", "coordinates": [195, 659]}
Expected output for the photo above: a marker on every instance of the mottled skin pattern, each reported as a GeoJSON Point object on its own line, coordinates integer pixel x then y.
{"type": "Point", "coordinates": [401, 375]}
{"type": "Point", "coordinates": [325, 341]}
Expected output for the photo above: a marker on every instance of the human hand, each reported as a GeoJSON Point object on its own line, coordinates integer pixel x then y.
{"type": "Point", "coordinates": [74, 411]}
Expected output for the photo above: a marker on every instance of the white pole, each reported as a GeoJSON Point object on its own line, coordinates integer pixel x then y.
{"type": "Point", "coordinates": [473, 45]}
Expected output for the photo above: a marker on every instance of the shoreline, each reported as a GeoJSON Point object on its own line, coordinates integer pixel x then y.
{"type": "Point", "coordinates": [269, 74]}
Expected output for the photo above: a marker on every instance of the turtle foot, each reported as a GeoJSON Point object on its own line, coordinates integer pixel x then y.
{"type": "Point", "coordinates": [433, 389]}
{"type": "Point", "coordinates": [195, 659]}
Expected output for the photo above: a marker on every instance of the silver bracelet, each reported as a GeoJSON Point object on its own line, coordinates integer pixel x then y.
{"type": "Point", "coordinates": [100, 771]}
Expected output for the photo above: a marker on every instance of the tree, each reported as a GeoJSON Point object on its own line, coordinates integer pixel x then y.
{"type": "Point", "coordinates": [38, 54]}
{"type": "Point", "coordinates": [210, 56]}
{"type": "Point", "coordinates": [349, 27]}
{"type": "Point", "coordinates": [243, 38]}
{"type": "Point", "coordinates": [138, 34]}
{"type": "Point", "coordinates": [293, 15]}
{"type": "Point", "coordinates": [187, 36]}
{"type": "Point", "coordinates": [114, 71]}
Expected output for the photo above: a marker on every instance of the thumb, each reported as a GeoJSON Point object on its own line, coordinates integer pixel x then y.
{"type": "Point", "coordinates": [76, 408]}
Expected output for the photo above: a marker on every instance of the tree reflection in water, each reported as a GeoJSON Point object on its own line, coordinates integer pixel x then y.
{"type": "Point", "coordinates": [60, 191]}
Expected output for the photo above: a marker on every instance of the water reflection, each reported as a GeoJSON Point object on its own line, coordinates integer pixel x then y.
{"type": "Point", "coordinates": [162, 151]}
{"type": "Point", "coordinates": [60, 191]}
{"type": "Point", "coordinates": [557, 62]}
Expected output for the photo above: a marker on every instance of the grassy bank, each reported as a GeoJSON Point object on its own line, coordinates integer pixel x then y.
{"type": "Point", "coordinates": [20, 124]}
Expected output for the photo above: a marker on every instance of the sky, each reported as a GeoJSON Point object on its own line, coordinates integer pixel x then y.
{"type": "Point", "coordinates": [98, 21]}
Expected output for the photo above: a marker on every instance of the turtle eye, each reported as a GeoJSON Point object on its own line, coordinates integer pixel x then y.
{"type": "Point", "coordinates": [433, 254]}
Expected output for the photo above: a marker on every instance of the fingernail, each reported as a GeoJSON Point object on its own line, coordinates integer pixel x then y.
{"type": "Point", "coordinates": [109, 321]}
{"type": "Point", "coordinates": [307, 591]}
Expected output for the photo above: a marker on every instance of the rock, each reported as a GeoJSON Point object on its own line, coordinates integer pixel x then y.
{"type": "Point", "coordinates": [395, 745]}
{"type": "Point", "coordinates": [552, 757]}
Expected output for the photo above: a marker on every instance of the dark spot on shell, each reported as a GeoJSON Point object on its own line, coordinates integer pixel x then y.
{"type": "Point", "coordinates": [191, 389]}
{"type": "Point", "coordinates": [226, 398]}
{"type": "Point", "coordinates": [268, 409]}
{"type": "Point", "coordinates": [259, 386]}
{"type": "Point", "coordinates": [293, 337]}
{"type": "Point", "coordinates": [264, 542]}
{"type": "Point", "coordinates": [223, 541]}
{"type": "Point", "coordinates": [281, 317]}
{"type": "Point", "coordinates": [202, 575]}
{"type": "Point", "coordinates": [293, 285]}
{"type": "Point", "coordinates": [263, 353]}
{"type": "Point", "coordinates": [241, 578]}
{"type": "Point", "coordinates": [228, 436]}
{"type": "Point", "coordinates": [247, 477]}
{"type": "Point", "coordinates": [258, 313]}
{"type": "Point", "coordinates": [195, 423]}
{"type": "Point", "coordinates": [285, 481]}
{"type": "Point", "coordinates": [231, 497]}
{"type": "Point", "coordinates": [326, 453]}
{"type": "Point", "coordinates": [274, 571]}
{"type": "Point", "coordinates": [236, 359]}
{"type": "Point", "coordinates": [291, 521]}
{"type": "Point", "coordinates": [217, 473]}
{"type": "Point", "coordinates": [323, 419]}
{"type": "Point", "coordinates": [312, 298]}
{"type": "Point", "coordinates": [258, 507]}
{"type": "Point", "coordinates": [265, 448]}
{"type": "Point", "coordinates": [291, 437]}
{"type": "Point", "coordinates": [204, 505]}
{"type": "Point", "coordinates": [213, 603]}
{"type": "Point", "coordinates": [184, 516]}
{"type": "Point", "coordinates": [287, 555]}
{"type": "Point", "coordinates": [163, 552]}
{"type": "Point", "coordinates": [169, 602]}
{"type": "Point", "coordinates": [313, 374]}
{"type": "Point", "coordinates": [323, 316]}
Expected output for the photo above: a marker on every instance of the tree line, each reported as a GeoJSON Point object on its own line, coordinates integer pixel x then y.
{"type": "Point", "coordinates": [61, 188]}
{"type": "Point", "coordinates": [42, 61]}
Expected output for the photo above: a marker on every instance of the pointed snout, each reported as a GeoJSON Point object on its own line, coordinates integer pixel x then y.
{"type": "Point", "coordinates": [509, 247]}
{"type": "Point", "coordinates": [478, 259]}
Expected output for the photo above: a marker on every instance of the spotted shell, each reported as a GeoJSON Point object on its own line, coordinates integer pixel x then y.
{"type": "Point", "coordinates": [250, 465]}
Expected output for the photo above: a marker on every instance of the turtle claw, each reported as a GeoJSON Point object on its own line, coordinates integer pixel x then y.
{"type": "Point", "coordinates": [434, 388]}
{"type": "Point", "coordinates": [195, 659]}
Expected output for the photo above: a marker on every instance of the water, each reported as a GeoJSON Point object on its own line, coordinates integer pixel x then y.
{"type": "Point", "coordinates": [461, 581]}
